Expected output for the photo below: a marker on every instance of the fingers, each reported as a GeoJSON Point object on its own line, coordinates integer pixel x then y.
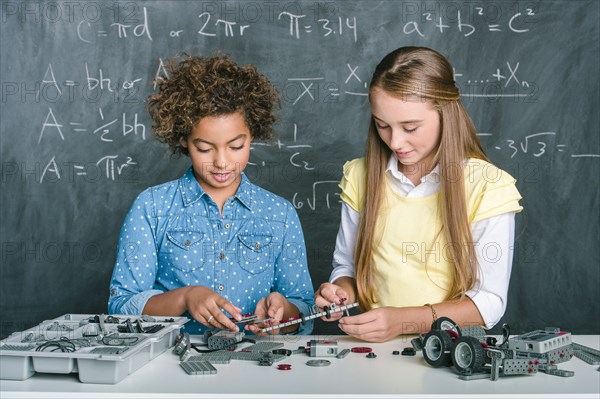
{"type": "Point", "coordinates": [369, 336]}
{"type": "Point", "coordinates": [261, 312]}
{"type": "Point", "coordinates": [207, 307]}
{"type": "Point", "coordinates": [255, 328]}
{"type": "Point", "coordinates": [230, 308]}
{"type": "Point", "coordinates": [218, 319]}
{"type": "Point", "coordinates": [214, 316]}
{"type": "Point", "coordinates": [358, 326]}
{"type": "Point", "coordinates": [369, 326]}
{"type": "Point", "coordinates": [333, 316]}
{"type": "Point", "coordinates": [330, 293]}
{"type": "Point", "coordinates": [275, 306]}
{"type": "Point", "coordinates": [361, 319]}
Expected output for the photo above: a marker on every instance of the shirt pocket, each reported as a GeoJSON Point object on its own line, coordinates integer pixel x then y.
{"type": "Point", "coordinates": [256, 252]}
{"type": "Point", "coordinates": [185, 250]}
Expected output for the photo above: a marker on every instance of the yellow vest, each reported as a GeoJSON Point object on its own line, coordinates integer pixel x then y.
{"type": "Point", "coordinates": [411, 258]}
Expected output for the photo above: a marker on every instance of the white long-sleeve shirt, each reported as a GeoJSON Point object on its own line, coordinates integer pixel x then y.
{"type": "Point", "coordinates": [493, 239]}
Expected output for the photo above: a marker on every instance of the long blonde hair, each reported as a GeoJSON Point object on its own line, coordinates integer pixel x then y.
{"type": "Point", "coordinates": [406, 73]}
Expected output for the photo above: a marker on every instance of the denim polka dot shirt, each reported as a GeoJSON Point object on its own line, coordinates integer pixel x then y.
{"type": "Point", "coordinates": [175, 236]}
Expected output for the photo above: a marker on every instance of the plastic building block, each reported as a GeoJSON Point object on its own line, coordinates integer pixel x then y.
{"type": "Point", "coordinates": [371, 355]}
{"type": "Point", "coordinates": [417, 343]}
{"type": "Point", "coordinates": [254, 356]}
{"type": "Point", "coordinates": [496, 357]}
{"type": "Point", "coordinates": [584, 348]}
{"type": "Point", "coordinates": [519, 366]}
{"type": "Point", "coordinates": [319, 348]}
{"type": "Point", "coordinates": [474, 331]}
{"type": "Point", "coordinates": [56, 326]}
{"type": "Point", "coordinates": [300, 350]}
{"type": "Point", "coordinates": [17, 347]}
{"type": "Point", "coordinates": [213, 358]}
{"type": "Point", "coordinates": [281, 351]}
{"type": "Point", "coordinates": [31, 337]}
{"type": "Point", "coordinates": [343, 353]}
{"type": "Point", "coordinates": [539, 341]}
{"type": "Point", "coordinates": [182, 345]}
{"type": "Point", "coordinates": [587, 357]}
{"type": "Point", "coordinates": [475, 376]}
{"type": "Point", "coordinates": [587, 354]}
{"type": "Point", "coordinates": [561, 373]}
{"type": "Point", "coordinates": [266, 359]}
{"type": "Point", "coordinates": [409, 351]}
{"type": "Point", "coordinates": [264, 346]}
{"type": "Point", "coordinates": [224, 339]}
{"type": "Point", "coordinates": [198, 368]}
{"type": "Point", "coordinates": [91, 330]}
{"type": "Point", "coordinates": [318, 363]}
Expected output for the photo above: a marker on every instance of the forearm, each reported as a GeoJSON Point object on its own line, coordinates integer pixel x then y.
{"type": "Point", "coordinates": [170, 303]}
{"type": "Point", "coordinates": [462, 311]}
{"type": "Point", "coordinates": [414, 320]}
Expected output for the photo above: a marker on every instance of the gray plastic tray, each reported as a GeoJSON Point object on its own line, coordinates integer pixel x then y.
{"type": "Point", "coordinates": [98, 356]}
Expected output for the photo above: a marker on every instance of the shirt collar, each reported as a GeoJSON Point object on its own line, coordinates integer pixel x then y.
{"type": "Point", "coordinates": [392, 169]}
{"type": "Point", "coordinates": [245, 191]}
{"type": "Point", "coordinates": [191, 191]}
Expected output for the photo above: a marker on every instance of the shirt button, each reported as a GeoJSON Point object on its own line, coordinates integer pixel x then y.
{"type": "Point", "coordinates": [257, 246]}
{"type": "Point", "coordinates": [227, 225]}
{"type": "Point", "coordinates": [187, 243]}
{"type": "Point", "coordinates": [221, 256]}
{"type": "Point", "coordinates": [220, 287]}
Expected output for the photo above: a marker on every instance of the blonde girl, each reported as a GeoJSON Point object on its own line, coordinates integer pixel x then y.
{"type": "Point", "coordinates": [427, 225]}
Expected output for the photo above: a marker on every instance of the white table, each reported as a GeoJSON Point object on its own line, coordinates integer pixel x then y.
{"type": "Point", "coordinates": [387, 376]}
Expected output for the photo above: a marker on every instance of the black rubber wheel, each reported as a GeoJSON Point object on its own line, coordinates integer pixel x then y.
{"type": "Point", "coordinates": [446, 324]}
{"type": "Point", "coordinates": [468, 355]}
{"type": "Point", "coordinates": [437, 346]}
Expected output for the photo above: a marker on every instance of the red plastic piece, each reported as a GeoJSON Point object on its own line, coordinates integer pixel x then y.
{"type": "Point", "coordinates": [290, 319]}
{"type": "Point", "coordinates": [361, 349]}
{"type": "Point", "coordinates": [284, 367]}
{"type": "Point", "coordinates": [453, 334]}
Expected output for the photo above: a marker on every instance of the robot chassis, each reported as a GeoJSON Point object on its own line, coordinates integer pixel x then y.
{"type": "Point", "coordinates": [475, 356]}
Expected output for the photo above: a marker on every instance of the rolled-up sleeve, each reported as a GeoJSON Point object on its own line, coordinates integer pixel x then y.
{"type": "Point", "coordinates": [134, 274]}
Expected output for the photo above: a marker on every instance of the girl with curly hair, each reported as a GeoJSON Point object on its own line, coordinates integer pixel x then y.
{"type": "Point", "coordinates": [212, 245]}
{"type": "Point", "coordinates": [427, 225]}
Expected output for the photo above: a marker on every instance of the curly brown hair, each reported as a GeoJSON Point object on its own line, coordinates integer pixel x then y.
{"type": "Point", "coordinates": [197, 87]}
